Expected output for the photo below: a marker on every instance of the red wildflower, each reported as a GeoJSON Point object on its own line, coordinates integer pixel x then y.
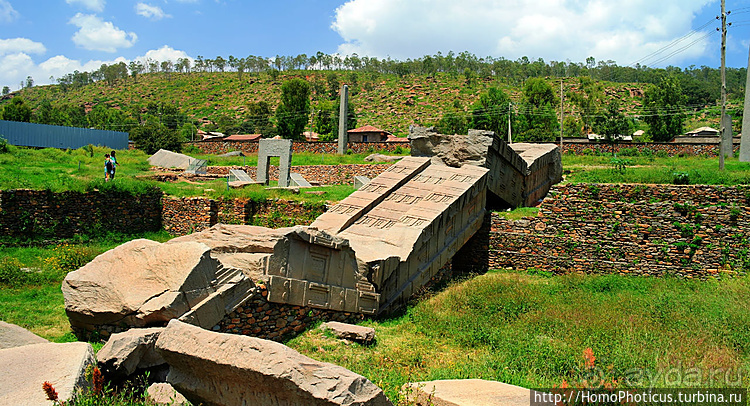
{"type": "Point", "coordinates": [50, 391]}
{"type": "Point", "coordinates": [98, 381]}
{"type": "Point", "coordinates": [588, 358]}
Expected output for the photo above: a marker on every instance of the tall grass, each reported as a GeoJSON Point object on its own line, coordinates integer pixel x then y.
{"type": "Point", "coordinates": [649, 169]}
{"type": "Point", "coordinates": [532, 331]}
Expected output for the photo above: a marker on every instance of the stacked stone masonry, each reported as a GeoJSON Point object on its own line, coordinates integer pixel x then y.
{"type": "Point", "coordinates": [690, 231]}
{"type": "Point", "coordinates": [58, 215]}
{"type": "Point", "coordinates": [187, 215]}
{"type": "Point", "coordinates": [251, 147]}
{"type": "Point", "coordinates": [322, 174]}
{"type": "Point", "coordinates": [668, 148]}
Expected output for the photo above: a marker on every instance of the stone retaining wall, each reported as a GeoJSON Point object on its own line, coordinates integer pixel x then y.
{"type": "Point", "coordinates": [690, 231]}
{"type": "Point", "coordinates": [324, 174]}
{"type": "Point", "coordinates": [668, 148]}
{"type": "Point", "coordinates": [41, 213]}
{"type": "Point", "coordinates": [251, 147]}
{"type": "Point", "coordinates": [191, 214]}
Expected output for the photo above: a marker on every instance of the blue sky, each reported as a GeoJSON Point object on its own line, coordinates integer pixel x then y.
{"type": "Point", "coordinates": [55, 37]}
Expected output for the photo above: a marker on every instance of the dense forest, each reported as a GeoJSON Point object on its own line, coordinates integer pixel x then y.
{"type": "Point", "coordinates": [452, 91]}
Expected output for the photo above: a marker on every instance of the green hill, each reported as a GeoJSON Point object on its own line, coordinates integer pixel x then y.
{"type": "Point", "coordinates": [387, 101]}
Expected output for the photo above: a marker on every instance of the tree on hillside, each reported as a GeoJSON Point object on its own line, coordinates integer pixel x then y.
{"type": "Point", "coordinates": [454, 121]}
{"type": "Point", "coordinates": [588, 100]}
{"type": "Point", "coordinates": [491, 112]}
{"type": "Point", "coordinates": [326, 120]}
{"type": "Point", "coordinates": [257, 119]}
{"type": "Point", "coordinates": [613, 124]}
{"type": "Point", "coordinates": [17, 110]}
{"type": "Point", "coordinates": [664, 103]}
{"type": "Point", "coordinates": [153, 136]}
{"type": "Point", "coordinates": [6, 90]}
{"type": "Point", "coordinates": [292, 113]}
{"type": "Point", "coordinates": [537, 120]}
{"type": "Point", "coordinates": [135, 68]}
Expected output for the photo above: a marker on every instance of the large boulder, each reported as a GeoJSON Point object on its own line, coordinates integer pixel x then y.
{"type": "Point", "coordinates": [16, 336]}
{"type": "Point", "coordinates": [24, 369]}
{"type": "Point", "coordinates": [141, 283]}
{"type": "Point", "coordinates": [225, 369]}
{"type": "Point", "coordinates": [129, 351]}
{"type": "Point", "coordinates": [163, 393]}
{"type": "Point", "coordinates": [452, 150]}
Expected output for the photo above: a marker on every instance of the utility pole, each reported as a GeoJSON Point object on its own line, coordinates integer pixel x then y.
{"type": "Point", "coordinates": [510, 139]}
{"type": "Point", "coordinates": [561, 115]}
{"type": "Point", "coordinates": [723, 82]}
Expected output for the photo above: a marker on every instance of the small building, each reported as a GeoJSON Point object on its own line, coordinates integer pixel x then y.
{"type": "Point", "coordinates": [601, 138]}
{"type": "Point", "coordinates": [703, 132]}
{"type": "Point", "coordinates": [244, 137]}
{"type": "Point", "coordinates": [311, 136]}
{"type": "Point", "coordinates": [368, 133]}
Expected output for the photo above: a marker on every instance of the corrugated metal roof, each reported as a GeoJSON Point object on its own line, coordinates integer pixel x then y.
{"type": "Point", "coordinates": [55, 136]}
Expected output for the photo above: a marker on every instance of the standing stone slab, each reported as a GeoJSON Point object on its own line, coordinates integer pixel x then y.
{"type": "Point", "coordinates": [745, 141]}
{"type": "Point", "coordinates": [225, 369]}
{"type": "Point", "coordinates": [23, 370]}
{"type": "Point", "coordinates": [727, 137]}
{"type": "Point", "coordinates": [16, 336]}
{"type": "Point", "coordinates": [268, 148]}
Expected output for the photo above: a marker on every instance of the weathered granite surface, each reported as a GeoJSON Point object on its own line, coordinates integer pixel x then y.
{"type": "Point", "coordinates": [17, 336]}
{"type": "Point", "coordinates": [227, 369]}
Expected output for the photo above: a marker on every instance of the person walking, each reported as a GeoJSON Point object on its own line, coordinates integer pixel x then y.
{"type": "Point", "coordinates": [114, 164]}
{"type": "Point", "coordinates": [107, 168]}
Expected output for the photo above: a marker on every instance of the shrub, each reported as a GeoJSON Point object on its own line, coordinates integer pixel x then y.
{"type": "Point", "coordinates": [67, 258]}
{"type": "Point", "coordinates": [12, 275]}
{"type": "Point", "coordinates": [680, 178]}
{"type": "Point", "coordinates": [4, 148]}
{"type": "Point", "coordinates": [587, 151]}
{"type": "Point", "coordinates": [629, 152]}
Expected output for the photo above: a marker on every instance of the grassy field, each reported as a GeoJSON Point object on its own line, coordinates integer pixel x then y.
{"type": "Point", "coordinates": [532, 331]}
{"type": "Point", "coordinates": [654, 170]}
{"type": "Point", "coordinates": [82, 170]}
{"type": "Point", "coordinates": [528, 329]}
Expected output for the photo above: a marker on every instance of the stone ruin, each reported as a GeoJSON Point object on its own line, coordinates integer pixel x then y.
{"type": "Point", "coordinates": [368, 254]}
{"type": "Point", "coordinates": [520, 174]}
{"type": "Point", "coordinates": [268, 148]}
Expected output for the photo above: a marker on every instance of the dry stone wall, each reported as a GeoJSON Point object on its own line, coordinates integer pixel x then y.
{"type": "Point", "coordinates": [323, 174]}
{"type": "Point", "coordinates": [187, 215]}
{"type": "Point", "coordinates": [43, 213]}
{"type": "Point", "coordinates": [668, 148]}
{"type": "Point", "coordinates": [251, 147]}
{"type": "Point", "coordinates": [690, 231]}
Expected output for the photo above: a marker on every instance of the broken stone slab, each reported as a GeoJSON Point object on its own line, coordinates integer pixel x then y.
{"type": "Point", "coordinates": [451, 150]}
{"type": "Point", "coordinates": [351, 332]}
{"type": "Point", "coordinates": [226, 369]}
{"type": "Point", "coordinates": [141, 283]}
{"type": "Point", "coordinates": [129, 351]}
{"type": "Point", "coordinates": [12, 336]}
{"type": "Point", "coordinates": [466, 392]}
{"type": "Point", "coordinates": [24, 369]}
{"type": "Point", "coordinates": [168, 159]}
{"type": "Point", "coordinates": [298, 180]}
{"type": "Point", "coordinates": [360, 181]}
{"type": "Point", "coordinates": [164, 394]}
{"type": "Point", "coordinates": [382, 158]}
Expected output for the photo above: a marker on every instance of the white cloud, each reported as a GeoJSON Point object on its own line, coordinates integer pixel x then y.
{"type": "Point", "coordinates": [623, 31]}
{"type": "Point", "coordinates": [16, 64]}
{"type": "Point", "coordinates": [165, 53]}
{"type": "Point", "coordinates": [21, 45]}
{"type": "Point", "coordinates": [149, 11]}
{"type": "Point", "coordinates": [7, 12]}
{"type": "Point", "coordinates": [97, 35]}
{"type": "Point", "coordinates": [93, 5]}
